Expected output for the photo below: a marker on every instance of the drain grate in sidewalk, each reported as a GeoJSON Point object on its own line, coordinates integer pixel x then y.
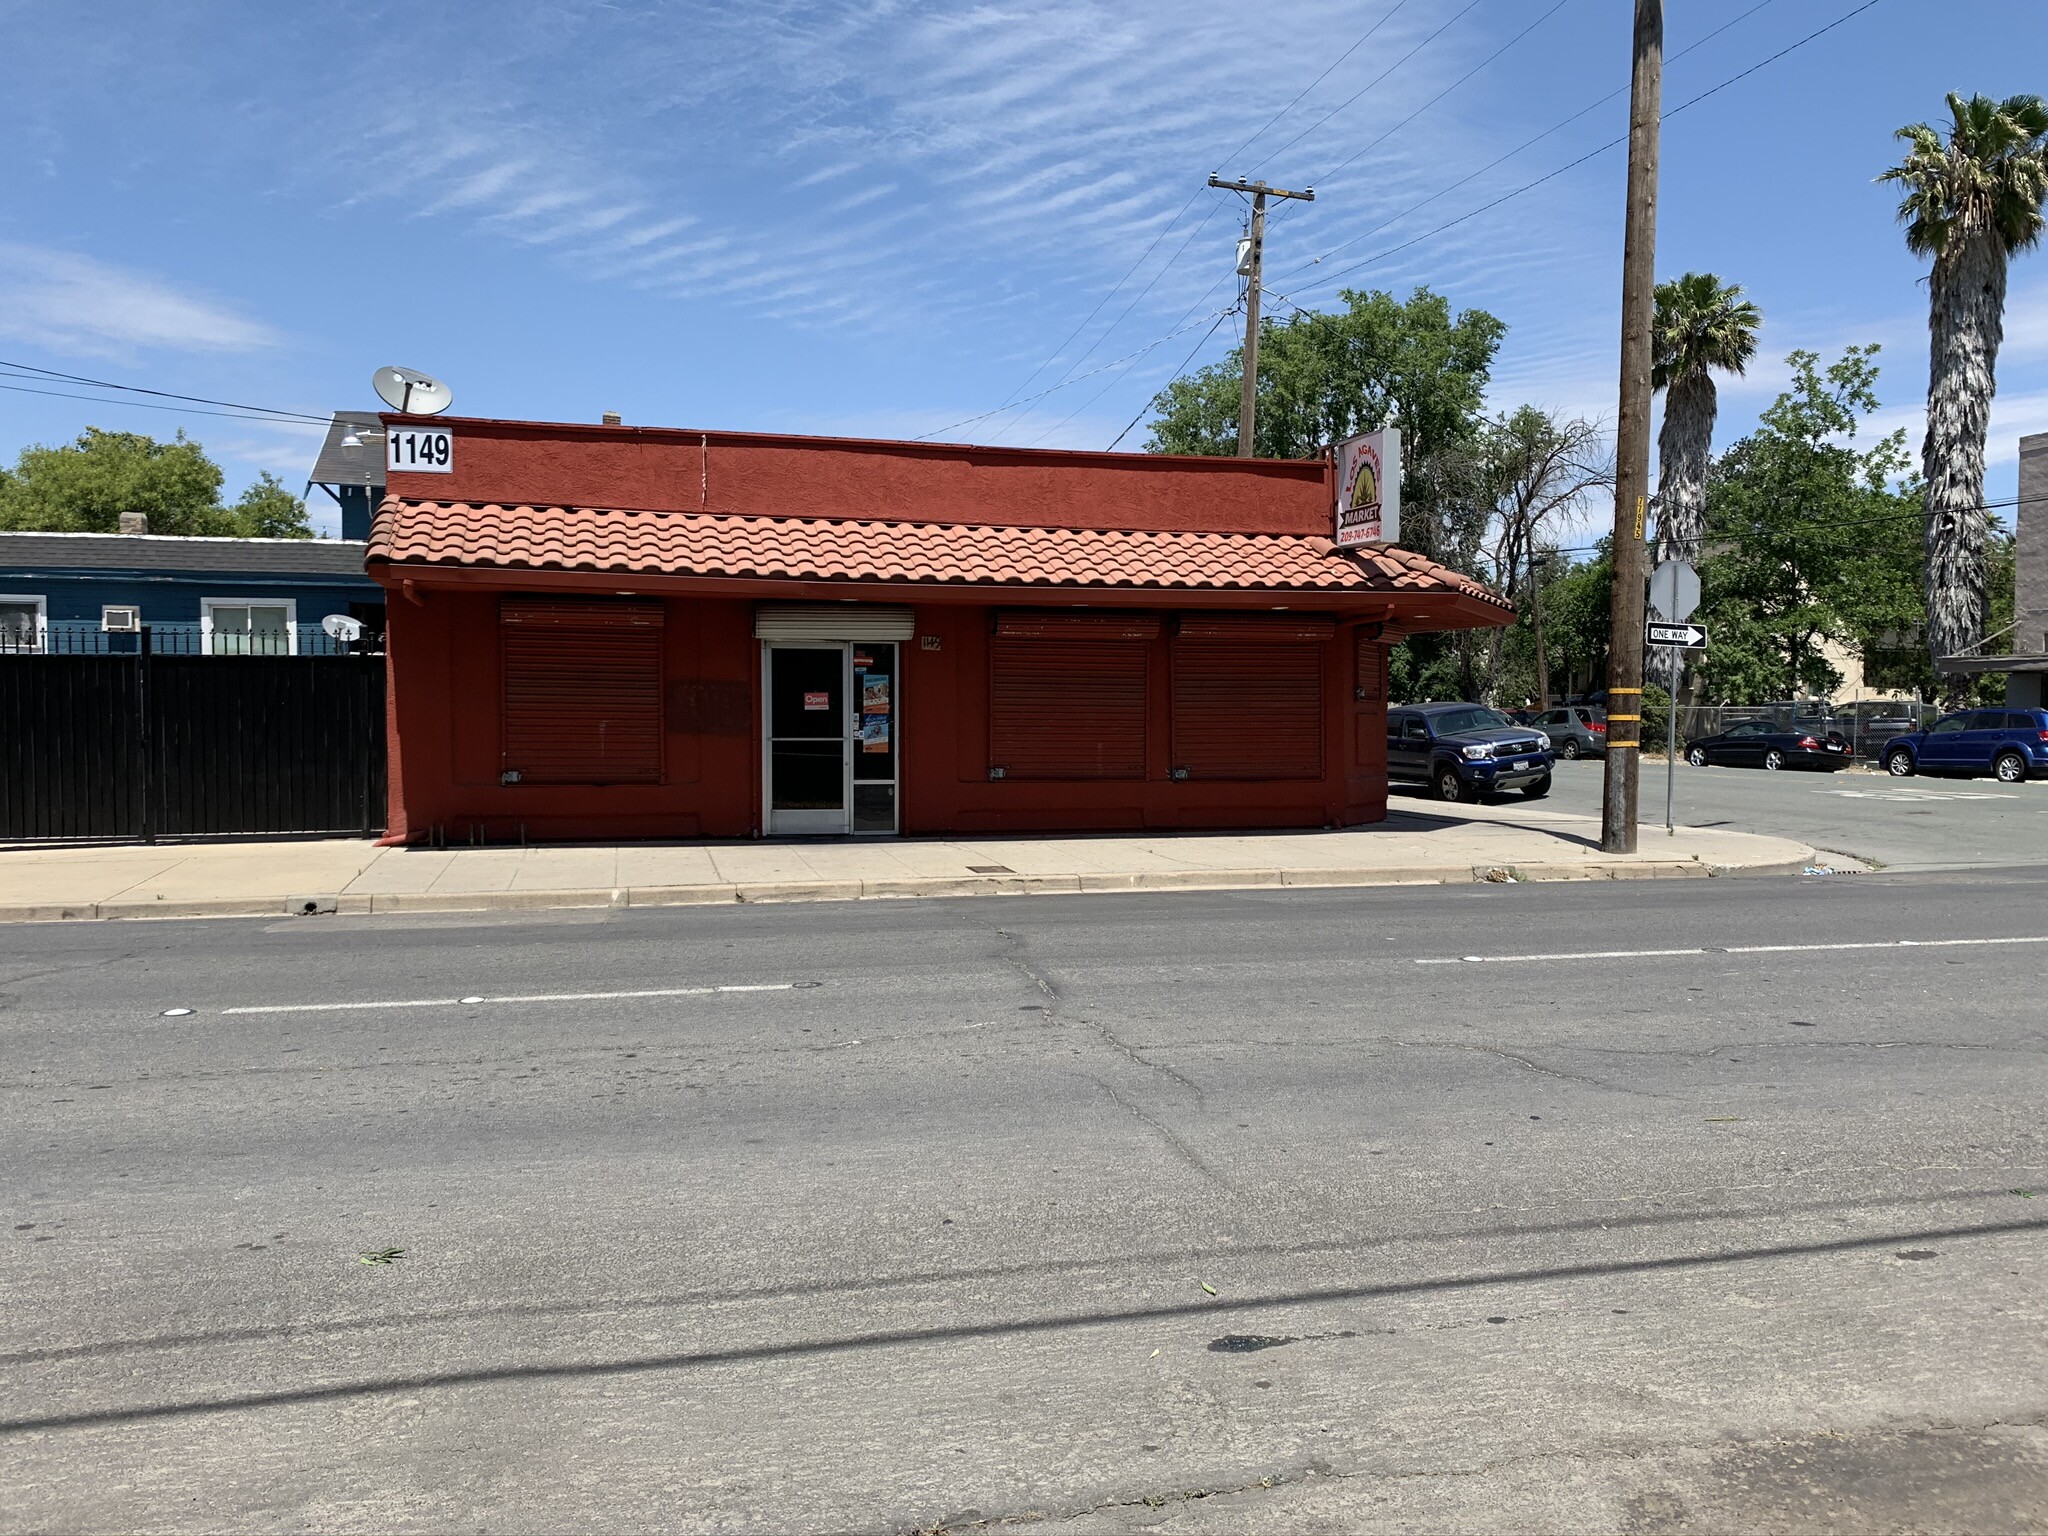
{"type": "Point", "coordinates": [990, 869]}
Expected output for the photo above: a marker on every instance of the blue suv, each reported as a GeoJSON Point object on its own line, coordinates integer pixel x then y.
{"type": "Point", "coordinates": [2009, 744]}
{"type": "Point", "coordinates": [1464, 751]}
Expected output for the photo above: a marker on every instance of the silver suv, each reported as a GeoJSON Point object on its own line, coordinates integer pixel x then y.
{"type": "Point", "coordinates": [1577, 731]}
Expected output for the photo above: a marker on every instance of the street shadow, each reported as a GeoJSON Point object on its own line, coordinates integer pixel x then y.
{"type": "Point", "coordinates": [812, 1349]}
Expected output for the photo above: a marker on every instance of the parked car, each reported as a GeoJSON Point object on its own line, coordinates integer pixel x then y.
{"type": "Point", "coordinates": [2009, 744]}
{"type": "Point", "coordinates": [1760, 744]}
{"type": "Point", "coordinates": [1574, 731]}
{"type": "Point", "coordinates": [1466, 751]}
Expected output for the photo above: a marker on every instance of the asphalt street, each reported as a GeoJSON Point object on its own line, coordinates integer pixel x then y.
{"type": "Point", "coordinates": [1915, 823]}
{"type": "Point", "coordinates": [1636, 1207]}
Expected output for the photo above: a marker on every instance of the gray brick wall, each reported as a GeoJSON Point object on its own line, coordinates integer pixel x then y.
{"type": "Point", "coordinates": [2031, 634]}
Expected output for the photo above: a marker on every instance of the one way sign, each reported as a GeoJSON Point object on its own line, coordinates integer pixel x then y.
{"type": "Point", "coordinates": [1688, 637]}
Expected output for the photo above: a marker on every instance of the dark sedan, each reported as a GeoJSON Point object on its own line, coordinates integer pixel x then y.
{"type": "Point", "coordinates": [1760, 744]}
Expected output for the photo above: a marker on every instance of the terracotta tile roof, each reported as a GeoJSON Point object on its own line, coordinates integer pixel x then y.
{"type": "Point", "coordinates": [411, 531]}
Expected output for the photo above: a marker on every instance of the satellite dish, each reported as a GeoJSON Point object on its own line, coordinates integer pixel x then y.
{"type": "Point", "coordinates": [340, 626]}
{"type": "Point", "coordinates": [410, 391]}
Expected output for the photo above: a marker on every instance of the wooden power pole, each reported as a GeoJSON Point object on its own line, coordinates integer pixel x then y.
{"type": "Point", "coordinates": [1632, 439]}
{"type": "Point", "coordinates": [1250, 268]}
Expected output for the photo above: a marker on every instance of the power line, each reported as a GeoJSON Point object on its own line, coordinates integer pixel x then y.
{"type": "Point", "coordinates": [1530, 186]}
{"type": "Point", "coordinates": [146, 405]}
{"type": "Point", "coordinates": [1529, 143]}
{"type": "Point", "coordinates": [1011, 399]}
{"type": "Point", "coordinates": [1181, 212]}
{"type": "Point", "coordinates": [1440, 95]}
{"type": "Point", "coordinates": [1183, 368]}
{"type": "Point", "coordinates": [28, 370]}
{"type": "Point", "coordinates": [1758, 530]}
{"type": "Point", "coordinates": [1114, 362]}
{"type": "Point", "coordinates": [1112, 293]}
{"type": "Point", "coordinates": [1112, 383]}
{"type": "Point", "coordinates": [1319, 79]}
{"type": "Point", "coordinates": [1312, 127]}
{"type": "Point", "coordinates": [1138, 298]}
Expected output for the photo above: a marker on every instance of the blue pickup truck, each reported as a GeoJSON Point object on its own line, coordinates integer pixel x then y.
{"type": "Point", "coordinates": [1466, 751]}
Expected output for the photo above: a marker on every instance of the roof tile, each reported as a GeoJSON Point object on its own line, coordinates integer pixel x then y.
{"type": "Point", "coordinates": [553, 538]}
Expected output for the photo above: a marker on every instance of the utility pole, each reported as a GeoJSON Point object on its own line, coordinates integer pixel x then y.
{"type": "Point", "coordinates": [1632, 439]}
{"type": "Point", "coordinates": [1249, 268]}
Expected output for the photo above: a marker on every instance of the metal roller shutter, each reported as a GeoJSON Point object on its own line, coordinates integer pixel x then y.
{"type": "Point", "coordinates": [1067, 709]}
{"type": "Point", "coordinates": [582, 691]}
{"type": "Point", "coordinates": [1259, 627]}
{"type": "Point", "coordinates": [832, 621]}
{"type": "Point", "coordinates": [1026, 624]}
{"type": "Point", "coordinates": [1371, 687]}
{"type": "Point", "coordinates": [1247, 711]}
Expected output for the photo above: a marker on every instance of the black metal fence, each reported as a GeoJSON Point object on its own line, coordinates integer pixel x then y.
{"type": "Point", "coordinates": [147, 746]}
{"type": "Point", "coordinates": [67, 637]}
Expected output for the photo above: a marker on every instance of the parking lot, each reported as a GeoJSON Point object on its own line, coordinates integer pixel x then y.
{"type": "Point", "coordinates": [1916, 823]}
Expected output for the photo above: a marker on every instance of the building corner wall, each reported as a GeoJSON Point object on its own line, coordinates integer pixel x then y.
{"type": "Point", "coordinates": [2030, 520]}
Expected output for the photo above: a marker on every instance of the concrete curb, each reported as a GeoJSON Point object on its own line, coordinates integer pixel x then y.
{"type": "Point", "coordinates": [906, 887]}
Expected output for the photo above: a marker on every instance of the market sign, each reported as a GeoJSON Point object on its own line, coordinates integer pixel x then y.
{"type": "Point", "coordinates": [1369, 488]}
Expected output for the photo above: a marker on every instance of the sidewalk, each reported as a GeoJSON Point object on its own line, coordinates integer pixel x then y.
{"type": "Point", "coordinates": [1419, 843]}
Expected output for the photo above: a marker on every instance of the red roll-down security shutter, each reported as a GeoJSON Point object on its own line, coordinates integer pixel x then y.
{"type": "Point", "coordinates": [582, 691]}
{"type": "Point", "coordinates": [1249, 706]}
{"type": "Point", "coordinates": [1067, 700]}
{"type": "Point", "coordinates": [1371, 687]}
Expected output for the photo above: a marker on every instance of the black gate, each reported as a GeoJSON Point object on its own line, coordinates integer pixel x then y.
{"type": "Point", "coordinates": [151, 746]}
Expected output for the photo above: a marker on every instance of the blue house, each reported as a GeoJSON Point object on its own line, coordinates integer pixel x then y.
{"type": "Point", "coordinates": [350, 468]}
{"type": "Point", "coordinates": [90, 592]}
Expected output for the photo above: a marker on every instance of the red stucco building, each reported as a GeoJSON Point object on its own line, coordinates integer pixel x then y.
{"type": "Point", "coordinates": [624, 632]}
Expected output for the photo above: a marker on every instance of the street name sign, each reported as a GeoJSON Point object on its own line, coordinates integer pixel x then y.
{"type": "Point", "coordinates": [1687, 637]}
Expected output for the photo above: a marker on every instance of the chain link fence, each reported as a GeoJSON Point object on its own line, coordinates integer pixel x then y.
{"type": "Point", "coordinates": [1866, 725]}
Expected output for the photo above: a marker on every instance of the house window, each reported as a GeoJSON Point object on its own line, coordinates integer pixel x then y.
{"type": "Point", "coordinates": [262, 626]}
{"type": "Point", "coordinates": [24, 622]}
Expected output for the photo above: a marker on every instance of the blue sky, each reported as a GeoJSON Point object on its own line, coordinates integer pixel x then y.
{"type": "Point", "coordinates": [880, 218]}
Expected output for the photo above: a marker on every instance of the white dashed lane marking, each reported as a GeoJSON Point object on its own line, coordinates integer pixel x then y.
{"type": "Point", "coordinates": [1730, 949]}
{"type": "Point", "coordinates": [522, 997]}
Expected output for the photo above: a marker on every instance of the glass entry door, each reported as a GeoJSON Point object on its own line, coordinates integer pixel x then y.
{"type": "Point", "coordinates": [831, 727]}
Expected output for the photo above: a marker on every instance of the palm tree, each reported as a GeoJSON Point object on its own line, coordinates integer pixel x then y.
{"type": "Point", "coordinates": [1970, 204]}
{"type": "Point", "coordinates": [1700, 326]}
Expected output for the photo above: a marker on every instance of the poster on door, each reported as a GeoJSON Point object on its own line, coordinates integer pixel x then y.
{"type": "Point", "coordinates": [874, 693]}
{"type": "Point", "coordinates": [874, 733]}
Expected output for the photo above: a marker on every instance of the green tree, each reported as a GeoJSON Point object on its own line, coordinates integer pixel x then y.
{"type": "Point", "coordinates": [1793, 511]}
{"type": "Point", "coordinates": [85, 486]}
{"type": "Point", "coordinates": [1380, 361]}
{"type": "Point", "coordinates": [1576, 604]}
{"type": "Point", "coordinates": [268, 511]}
{"type": "Point", "coordinates": [1701, 326]}
{"type": "Point", "coordinates": [1533, 467]}
{"type": "Point", "coordinates": [1971, 203]}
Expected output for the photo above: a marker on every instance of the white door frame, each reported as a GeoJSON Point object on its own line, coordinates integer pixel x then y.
{"type": "Point", "coordinates": [814, 823]}
{"type": "Point", "coordinates": [837, 823]}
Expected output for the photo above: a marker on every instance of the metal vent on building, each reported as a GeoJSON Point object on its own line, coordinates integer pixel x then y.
{"type": "Point", "coordinates": [832, 621]}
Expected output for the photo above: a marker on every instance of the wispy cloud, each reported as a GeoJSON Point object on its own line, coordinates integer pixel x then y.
{"type": "Point", "coordinates": [76, 304]}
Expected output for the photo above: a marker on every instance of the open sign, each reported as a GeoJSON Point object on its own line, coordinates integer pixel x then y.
{"type": "Point", "coordinates": [817, 701]}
